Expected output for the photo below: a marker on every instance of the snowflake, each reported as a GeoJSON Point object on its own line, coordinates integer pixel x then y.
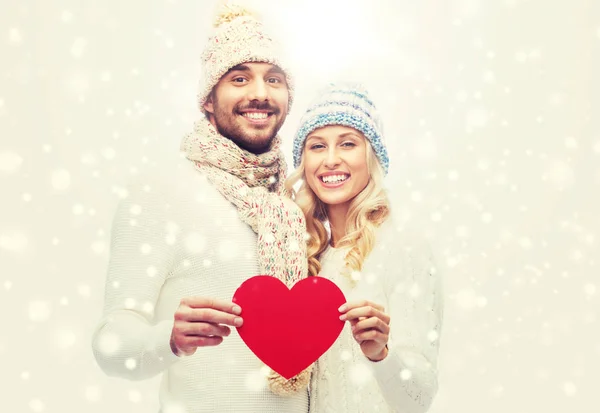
{"type": "Point", "coordinates": [255, 380]}
{"type": "Point", "coordinates": [98, 247]}
{"type": "Point", "coordinates": [130, 364]}
{"type": "Point", "coordinates": [228, 250]}
{"type": "Point", "coordinates": [148, 307]}
{"type": "Point", "coordinates": [129, 303]}
{"type": "Point", "coordinates": [92, 393]}
{"type": "Point", "coordinates": [195, 243]}
{"type": "Point", "coordinates": [589, 289]}
{"type": "Point", "coordinates": [65, 339]}
{"type": "Point", "coordinates": [108, 343]}
{"type": "Point", "coordinates": [135, 396]}
{"type": "Point", "coordinates": [78, 47]}
{"type": "Point", "coordinates": [10, 162]}
{"type": "Point", "coordinates": [61, 179]}
{"type": "Point", "coordinates": [174, 408]}
{"type": "Point", "coordinates": [66, 16]}
{"type": "Point", "coordinates": [571, 143]}
{"type": "Point", "coordinates": [525, 243]}
{"type": "Point", "coordinates": [405, 374]}
{"type": "Point", "coordinates": [151, 271]}
{"type": "Point", "coordinates": [360, 374]}
{"type": "Point", "coordinates": [39, 311]}
{"type": "Point", "coordinates": [486, 217]}
{"type": "Point", "coordinates": [84, 290]}
{"type": "Point", "coordinates": [570, 389]}
{"type": "Point", "coordinates": [146, 249]}
{"type": "Point", "coordinates": [476, 118]}
{"type": "Point", "coordinates": [14, 36]}
{"type": "Point", "coordinates": [36, 405]}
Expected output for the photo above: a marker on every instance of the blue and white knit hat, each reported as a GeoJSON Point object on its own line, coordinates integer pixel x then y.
{"type": "Point", "coordinates": [343, 104]}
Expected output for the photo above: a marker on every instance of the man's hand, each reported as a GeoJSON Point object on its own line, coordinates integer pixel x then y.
{"type": "Point", "coordinates": [370, 327]}
{"type": "Point", "coordinates": [201, 322]}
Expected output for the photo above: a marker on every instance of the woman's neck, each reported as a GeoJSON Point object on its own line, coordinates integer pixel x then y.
{"type": "Point", "coordinates": [336, 214]}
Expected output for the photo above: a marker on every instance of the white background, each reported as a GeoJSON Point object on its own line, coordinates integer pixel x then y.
{"type": "Point", "coordinates": [495, 153]}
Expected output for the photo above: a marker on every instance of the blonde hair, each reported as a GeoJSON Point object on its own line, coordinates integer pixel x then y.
{"type": "Point", "coordinates": [368, 210]}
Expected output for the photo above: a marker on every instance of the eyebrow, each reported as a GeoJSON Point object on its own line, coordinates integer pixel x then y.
{"type": "Point", "coordinates": [276, 69]}
{"type": "Point", "coordinates": [346, 134]}
{"type": "Point", "coordinates": [239, 68]}
{"type": "Point", "coordinates": [245, 68]}
{"type": "Point", "coordinates": [341, 136]}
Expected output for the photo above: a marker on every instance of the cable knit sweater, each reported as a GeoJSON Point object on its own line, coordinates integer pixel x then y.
{"type": "Point", "coordinates": [398, 274]}
{"type": "Point", "coordinates": [177, 237]}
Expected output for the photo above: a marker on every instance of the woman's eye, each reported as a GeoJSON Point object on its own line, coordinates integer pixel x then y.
{"type": "Point", "coordinates": [317, 146]}
{"type": "Point", "coordinates": [348, 144]}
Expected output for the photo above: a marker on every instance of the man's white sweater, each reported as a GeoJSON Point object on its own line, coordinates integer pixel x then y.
{"type": "Point", "coordinates": [173, 237]}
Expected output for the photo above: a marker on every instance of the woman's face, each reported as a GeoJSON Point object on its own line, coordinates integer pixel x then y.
{"type": "Point", "coordinates": [335, 164]}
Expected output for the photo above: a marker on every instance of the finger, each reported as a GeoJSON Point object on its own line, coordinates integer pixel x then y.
{"type": "Point", "coordinates": [193, 341]}
{"type": "Point", "coordinates": [216, 304]}
{"type": "Point", "coordinates": [371, 323]}
{"type": "Point", "coordinates": [367, 312]}
{"type": "Point", "coordinates": [372, 335]}
{"type": "Point", "coordinates": [205, 330]}
{"type": "Point", "coordinates": [357, 304]}
{"type": "Point", "coordinates": [208, 315]}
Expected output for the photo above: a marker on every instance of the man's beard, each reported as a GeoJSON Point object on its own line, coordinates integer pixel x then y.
{"type": "Point", "coordinates": [253, 139]}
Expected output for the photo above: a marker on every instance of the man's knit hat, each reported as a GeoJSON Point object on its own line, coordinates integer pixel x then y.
{"type": "Point", "coordinates": [238, 38]}
{"type": "Point", "coordinates": [343, 104]}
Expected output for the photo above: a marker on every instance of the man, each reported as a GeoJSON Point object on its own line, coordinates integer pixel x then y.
{"type": "Point", "coordinates": [182, 243]}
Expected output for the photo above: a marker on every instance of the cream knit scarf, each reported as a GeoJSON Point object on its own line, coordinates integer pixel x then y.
{"type": "Point", "coordinates": [255, 185]}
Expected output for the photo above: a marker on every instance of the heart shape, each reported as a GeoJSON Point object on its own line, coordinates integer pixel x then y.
{"type": "Point", "coordinates": [286, 329]}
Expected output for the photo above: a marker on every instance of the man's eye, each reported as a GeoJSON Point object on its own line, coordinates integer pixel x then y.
{"type": "Point", "coordinates": [239, 79]}
{"type": "Point", "coordinates": [274, 80]}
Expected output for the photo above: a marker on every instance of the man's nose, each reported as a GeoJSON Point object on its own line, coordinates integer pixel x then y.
{"type": "Point", "coordinates": [259, 90]}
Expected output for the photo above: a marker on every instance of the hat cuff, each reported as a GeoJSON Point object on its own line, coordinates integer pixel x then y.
{"type": "Point", "coordinates": [344, 119]}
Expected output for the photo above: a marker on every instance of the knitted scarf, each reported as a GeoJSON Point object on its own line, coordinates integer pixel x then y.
{"type": "Point", "coordinates": [255, 185]}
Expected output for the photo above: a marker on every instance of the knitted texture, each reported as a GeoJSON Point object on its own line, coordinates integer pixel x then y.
{"type": "Point", "coordinates": [399, 274]}
{"type": "Point", "coordinates": [255, 185]}
{"type": "Point", "coordinates": [346, 105]}
{"type": "Point", "coordinates": [238, 38]}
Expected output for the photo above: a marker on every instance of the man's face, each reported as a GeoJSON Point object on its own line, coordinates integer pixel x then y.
{"type": "Point", "coordinates": [249, 105]}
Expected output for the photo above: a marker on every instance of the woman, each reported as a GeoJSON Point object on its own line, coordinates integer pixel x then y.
{"type": "Point", "coordinates": [385, 360]}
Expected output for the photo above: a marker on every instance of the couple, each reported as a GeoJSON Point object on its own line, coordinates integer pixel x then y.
{"type": "Point", "coordinates": [183, 242]}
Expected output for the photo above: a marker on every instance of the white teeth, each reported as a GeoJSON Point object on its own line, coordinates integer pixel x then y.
{"type": "Point", "coordinates": [256, 115]}
{"type": "Point", "coordinates": [333, 178]}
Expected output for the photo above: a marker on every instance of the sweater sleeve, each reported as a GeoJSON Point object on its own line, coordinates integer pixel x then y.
{"type": "Point", "coordinates": [408, 375]}
{"type": "Point", "coordinates": [127, 342]}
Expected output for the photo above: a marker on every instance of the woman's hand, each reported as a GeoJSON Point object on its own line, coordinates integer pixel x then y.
{"type": "Point", "coordinates": [370, 327]}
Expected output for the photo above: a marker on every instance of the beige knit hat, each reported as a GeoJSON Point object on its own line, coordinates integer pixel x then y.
{"type": "Point", "coordinates": [239, 37]}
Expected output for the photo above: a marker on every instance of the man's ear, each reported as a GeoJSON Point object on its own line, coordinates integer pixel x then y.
{"type": "Point", "coordinates": [208, 104]}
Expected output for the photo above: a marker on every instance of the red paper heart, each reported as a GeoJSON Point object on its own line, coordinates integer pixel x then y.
{"type": "Point", "coordinates": [289, 329]}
